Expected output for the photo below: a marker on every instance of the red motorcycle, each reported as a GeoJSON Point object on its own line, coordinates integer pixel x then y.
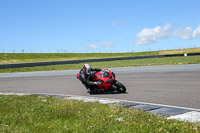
{"type": "Point", "coordinates": [109, 82]}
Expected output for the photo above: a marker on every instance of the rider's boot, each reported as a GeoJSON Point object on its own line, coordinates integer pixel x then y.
{"type": "Point", "coordinates": [89, 91]}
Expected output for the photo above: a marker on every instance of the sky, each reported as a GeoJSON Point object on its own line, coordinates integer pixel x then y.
{"type": "Point", "coordinates": [87, 26]}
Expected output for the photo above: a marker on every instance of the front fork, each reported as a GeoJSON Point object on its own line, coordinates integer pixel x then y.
{"type": "Point", "coordinates": [113, 87]}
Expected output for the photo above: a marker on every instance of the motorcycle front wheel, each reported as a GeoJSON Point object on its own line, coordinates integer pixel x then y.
{"type": "Point", "coordinates": [120, 87]}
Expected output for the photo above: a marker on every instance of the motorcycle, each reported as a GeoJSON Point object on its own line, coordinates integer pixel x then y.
{"type": "Point", "coordinates": [109, 82]}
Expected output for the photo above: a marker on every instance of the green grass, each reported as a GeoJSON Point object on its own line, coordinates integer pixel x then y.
{"type": "Point", "coordinates": [48, 114]}
{"type": "Point", "coordinates": [109, 64]}
{"type": "Point", "coordinates": [9, 58]}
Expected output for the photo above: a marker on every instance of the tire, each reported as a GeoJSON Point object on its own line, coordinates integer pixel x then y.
{"type": "Point", "coordinates": [120, 87]}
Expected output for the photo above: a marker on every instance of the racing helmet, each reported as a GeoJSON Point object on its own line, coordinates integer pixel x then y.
{"type": "Point", "coordinates": [87, 68]}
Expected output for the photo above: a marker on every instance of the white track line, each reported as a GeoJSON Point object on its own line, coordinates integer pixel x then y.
{"type": "Point", "coordinates": [192, 116]}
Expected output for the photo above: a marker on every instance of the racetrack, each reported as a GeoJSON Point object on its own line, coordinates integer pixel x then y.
{"type": "Point", "coordinates": [177, 85]}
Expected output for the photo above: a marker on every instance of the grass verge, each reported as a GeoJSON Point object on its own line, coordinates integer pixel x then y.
{"type": "Point", "coordinates": [48, 114]}
{"type": "Point", "coordinates": [108, 64]}
{"type": "Point", "coordinates": [10, 58]}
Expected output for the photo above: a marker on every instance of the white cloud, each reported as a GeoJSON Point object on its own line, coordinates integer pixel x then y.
{"type": "Point", "coordinates": [93, 47]}
{"type": "Point", "coordinates": [108, 44]}
{"type": "Point", "coordinates": [147, 36]}
{"type": "Point", "coordinates": [119, 22]}
{"type": "Point", "coordinates": [186, 33]}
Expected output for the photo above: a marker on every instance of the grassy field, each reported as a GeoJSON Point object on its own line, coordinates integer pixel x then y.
{"type": "Point", "coordinates": [180, 51]}
{"type": "Point", "coordinates": [25, 58]}
{"type": "Point", "coordinates": [48, 114]}
{"type": "Point", "coordinates": [9, 58]}
{"type": "Point", "coordinates": [109, 64]}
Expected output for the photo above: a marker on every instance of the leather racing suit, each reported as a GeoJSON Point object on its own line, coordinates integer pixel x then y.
{"type": "Point", "coordinates": [86, 79]}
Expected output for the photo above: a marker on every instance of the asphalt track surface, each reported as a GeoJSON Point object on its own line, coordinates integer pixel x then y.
{"type": "Point", "coordinates": [176, 85]}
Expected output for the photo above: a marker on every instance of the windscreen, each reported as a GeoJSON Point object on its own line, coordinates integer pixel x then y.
{"type": "Point", "coordinates": [104, 74]}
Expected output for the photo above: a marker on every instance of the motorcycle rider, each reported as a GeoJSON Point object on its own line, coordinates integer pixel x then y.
{"type": "Point", "coordinates": [86, 74]}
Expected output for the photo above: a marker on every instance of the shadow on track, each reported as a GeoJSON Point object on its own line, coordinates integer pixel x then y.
{"type": "Point", "coordinates": [105, 93]}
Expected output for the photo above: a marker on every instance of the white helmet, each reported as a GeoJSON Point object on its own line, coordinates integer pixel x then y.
{"type": "Point", "coordinates": [87, 68]}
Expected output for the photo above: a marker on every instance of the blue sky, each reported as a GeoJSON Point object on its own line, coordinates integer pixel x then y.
{"type": "Point", "coordinates": [98, 25]}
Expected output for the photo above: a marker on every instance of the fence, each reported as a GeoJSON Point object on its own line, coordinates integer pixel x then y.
{"type": "Point", "coordinates": [2, 50]}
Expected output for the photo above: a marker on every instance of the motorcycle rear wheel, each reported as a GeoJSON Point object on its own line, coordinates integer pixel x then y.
{"type": "Point", "coordinates": [120, 87]}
